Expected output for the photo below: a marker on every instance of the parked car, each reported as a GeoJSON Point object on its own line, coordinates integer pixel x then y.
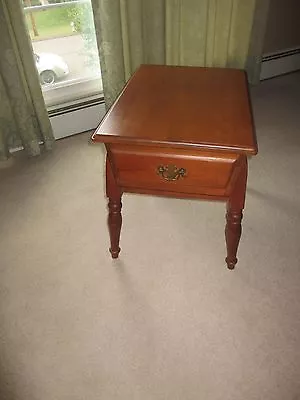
{"type": "Point", "coordinates": [51, 67]}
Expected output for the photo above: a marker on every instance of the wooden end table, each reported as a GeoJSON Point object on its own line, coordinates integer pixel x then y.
{"type": "Point", "coordinates": [182, 132]}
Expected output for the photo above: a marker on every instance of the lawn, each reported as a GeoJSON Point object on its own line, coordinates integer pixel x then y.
{"type": "Point", "coordinates": [50, 23]}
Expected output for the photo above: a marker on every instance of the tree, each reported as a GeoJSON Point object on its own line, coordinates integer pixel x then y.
{"type": "Point", "coordinates": [82, 21]}
{"type": "Point", "coordinates": [31, 16]}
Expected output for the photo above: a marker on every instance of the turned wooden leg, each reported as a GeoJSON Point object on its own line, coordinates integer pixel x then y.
{"type": "Point", "coordinates": [114, 195]}
{"type": "Point", "coordinates": [234, 213]}
{"type": "Point", "coordinates": [233, 233]}
{"type": "Point", "coordinates": [114, 225]}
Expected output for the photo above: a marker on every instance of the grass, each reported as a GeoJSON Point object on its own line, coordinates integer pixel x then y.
{"type": "Point", "coordinates": [50, 23]}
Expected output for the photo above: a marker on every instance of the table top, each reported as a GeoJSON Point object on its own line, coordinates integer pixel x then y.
{"type": "Point", "coordinates": [185, 107]}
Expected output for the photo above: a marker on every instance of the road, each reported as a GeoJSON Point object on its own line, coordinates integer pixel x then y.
{"type": "Point", "coordinates": [72, 49]}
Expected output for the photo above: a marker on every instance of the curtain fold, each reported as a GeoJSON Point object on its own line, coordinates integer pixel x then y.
{"type": "Point", "coordinates": [254, 59]}
{"type": "Point", "coordinates": [212, 33]}
{"type": "Point", "coordinates": [24, 121]}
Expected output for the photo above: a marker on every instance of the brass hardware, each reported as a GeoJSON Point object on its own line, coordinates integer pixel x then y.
{"type": "Point", "coordinates": [171, 172]}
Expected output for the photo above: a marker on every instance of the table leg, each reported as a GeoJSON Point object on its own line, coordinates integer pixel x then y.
{"type": "Point", "coordinates": [114, 195]}
{"type": "Point", "coordinates": [234, 213]}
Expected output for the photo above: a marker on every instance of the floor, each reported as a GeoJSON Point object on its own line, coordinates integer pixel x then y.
{"type": "Point", "coordinates": [167, 320]}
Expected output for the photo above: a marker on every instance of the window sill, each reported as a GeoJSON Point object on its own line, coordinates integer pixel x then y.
{"type": "Point", "coordinates": [70, 92]}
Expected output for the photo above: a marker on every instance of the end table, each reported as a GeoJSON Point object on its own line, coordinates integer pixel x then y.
{"type": "Point", "coordinates": [182, 132]}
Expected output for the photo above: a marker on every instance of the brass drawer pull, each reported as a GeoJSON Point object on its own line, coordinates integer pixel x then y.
{"type": "Point", "coordinates": [171, 172]}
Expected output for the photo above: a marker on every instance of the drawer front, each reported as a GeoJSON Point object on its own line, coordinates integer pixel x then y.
{"type": "Point", "coordinates": [172, 170]}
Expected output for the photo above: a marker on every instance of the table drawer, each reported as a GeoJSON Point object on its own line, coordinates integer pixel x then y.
{"type": "Point", "coordinates": [172, 170]}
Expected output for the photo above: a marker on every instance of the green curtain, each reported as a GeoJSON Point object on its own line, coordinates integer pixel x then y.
{"type": "Point", "coordinates": [213, 33]}
{"type": "Point", "coordinates": [23, 117]}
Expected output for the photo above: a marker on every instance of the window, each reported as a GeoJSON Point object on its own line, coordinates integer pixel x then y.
{"type": "Point", "coordinates": [65, 51]}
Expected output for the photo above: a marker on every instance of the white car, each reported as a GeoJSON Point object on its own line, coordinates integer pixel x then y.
{"type": "Point", "coordinates": [51, 67]}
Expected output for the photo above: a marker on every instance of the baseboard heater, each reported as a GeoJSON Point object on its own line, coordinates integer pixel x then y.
{"type": "Point", "coordinates": [280, 62]}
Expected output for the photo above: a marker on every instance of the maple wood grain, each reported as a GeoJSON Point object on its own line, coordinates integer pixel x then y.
{"type": "Point", "coordinates": [182, 107]}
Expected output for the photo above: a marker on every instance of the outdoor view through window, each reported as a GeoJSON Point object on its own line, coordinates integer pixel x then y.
{"type": "Point", "coordinates": [65, 48]}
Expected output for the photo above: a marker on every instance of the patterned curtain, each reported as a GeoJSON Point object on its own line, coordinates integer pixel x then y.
{"type": "Point", "coordinates": [24, 120]}
{"type": "Point", "coordinates": [213, 33]}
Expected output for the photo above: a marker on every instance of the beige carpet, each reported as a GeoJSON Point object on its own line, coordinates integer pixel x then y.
{"type": "Point", "coordinates": [168, 320]}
